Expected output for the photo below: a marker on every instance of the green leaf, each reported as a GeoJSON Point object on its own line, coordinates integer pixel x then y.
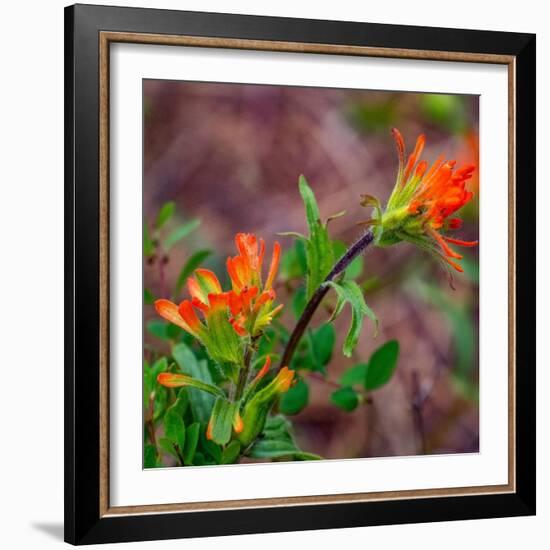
{"type": "Point", "coordinates": [210, 448]}
{"type": "Point", "coordinates": [293, 262]}
{"type": "Point", "coordinates": [382, 364]}
{"type": "Point", "coordinates": [165, 213]}
{"type": "Point", "coordinates": [322, 340]}
{"type": "Point", "coordinates": [181, 403]}
{"type": "Point", "coordinates": [345, 398]}
{"type": "Point", "coordinates": [150, 456]}
{"type": "Point", "coordinates": [156, 391]}
{"type": "Point", "coordinates": [302, 455]}
{"type": "Point", "coordinates": [355, 375]}
{"type": "Point", "coordinates": [191, 441]}
{"type": "Point", "coordinates": [158, 328]}
{"type": "Point", "coordinates": [178, 380]}
{"type": "Point", "coordinates": [180, 232]}
{"type": "Point", "coordinates": [231, 453]}
{"type": "Point", "coordinates": [148, 297]}
{"type": "Point", "coordinates": [221, 420]}
{"type": "Point", "coordinates": [299, 301]}
{"type": "Point", "coordinates": [319, 250]}
{"type": "Point", "coordinates": [268, 448]}
{"type": "Point", "coordinates": [167, 445]}
{"type": "Point", "coordinates": [295, 399]}
{"type": "Point", "coordinates": [192, 263]}
{"type": "Point", "coordinates": [201, 402]}
{"type": "Point", "coordinates": [148, 245]}
{"type": "Point", "coordinates": [174, 428]}
{"type": "Point", "coordinates": [277, 427]}
{"type": "Point", "coordinates": [349, 292]}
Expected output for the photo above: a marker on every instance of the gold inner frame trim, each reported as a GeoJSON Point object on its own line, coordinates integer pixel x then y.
{"type": "Point", "coordinates": [108, 37]}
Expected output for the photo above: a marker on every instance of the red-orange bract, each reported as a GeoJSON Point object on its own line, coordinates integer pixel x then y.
{"type": "Point", "coordinates": [247, 306]}
{"type": "Point", "coordinates": [423, 202]}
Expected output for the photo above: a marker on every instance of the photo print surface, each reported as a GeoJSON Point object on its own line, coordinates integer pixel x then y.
{"type": "Point", "coordinates": [310, 272]}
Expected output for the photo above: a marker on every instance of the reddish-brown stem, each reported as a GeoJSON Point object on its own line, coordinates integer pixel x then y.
{"type": "Point", "coordinates": [353, 251]}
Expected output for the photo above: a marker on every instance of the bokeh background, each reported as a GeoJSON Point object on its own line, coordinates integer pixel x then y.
{"type": "Point", "coordinates": [230, 156]}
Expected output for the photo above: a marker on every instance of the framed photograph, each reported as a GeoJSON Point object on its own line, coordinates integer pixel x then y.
{"type": "Point", "coordinates": [300, 274]}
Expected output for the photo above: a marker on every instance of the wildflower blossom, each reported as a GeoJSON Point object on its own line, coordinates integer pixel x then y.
{"type": "Point", "coordinates": [251, 299]}
{"type": "Point", "coordinates": [221, 319]}
{"type": "Point", "coordinates": [422, 204]}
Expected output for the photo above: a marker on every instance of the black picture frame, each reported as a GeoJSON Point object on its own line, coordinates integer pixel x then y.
{"type": "Point", "coordinates": [84, 524]}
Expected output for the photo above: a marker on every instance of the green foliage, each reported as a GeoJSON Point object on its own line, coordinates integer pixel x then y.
{"type": "Point", "coordinates": [192, 263]}
{"type": "Point", "coordinates": [447, 111]}
{"type": "Point", "coordinates": [382, 364]}
{"type": "Point", "coordinates": [211, 451]}
{"type": "Point", "coordinates": [174, 428]}
{"type": "Point", "coordinates": [150, 456]}
{"type": "Point", "coordinates": [231, 453]}
{"type": "Point", "coordinates": [355, 375]}
{"type": "Point", "coordinates": [315, 350]}
{"type": "Point", "coordinates": [158, 328]}
{"type": "Point", "coordinates": [181, 404]}
{"type": "Point", "coordinates": [200, 401]}
{"type": "Point", "coordinates": [221, 420]}
{"type": "Point", "coordinates": [322, 342]}
{"type": "Point", "coordinates": [295, 399]}
{"type": "Point", "coordinates": [153, 393]}
{"type": "Point", "coordinates": [293, 262]}
{"type": "Point", "coordinates": [346, 398]}
{"type": "Point", "coordinates": [148, 297]}
{"type": "Point", "coordinates": [167, 446]}
{"type": "Point", "coordinates": [319, 250]}
{"type": "Point", "coordinates": [165, 213]}
{"type": "Point", "coordinates": [373, 116]}
{"type": "Point", "coordinates": [377, 372]}
{"type": "Point", "coordinates": [299, 301]}
{"type": "Point", "coordinates": [179, 233]}
{"type": "Point", "coordinates": [350, 293]}
{"type": "Point", "coordinates": [191, 441]}
{"type": "Point", "coordinates": [276, 442]}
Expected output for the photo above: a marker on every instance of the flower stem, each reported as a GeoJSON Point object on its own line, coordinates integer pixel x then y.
{"type": "Point", "coordinates": [245, 369]}
{"type": "Point", "coordinates": [357, 248]}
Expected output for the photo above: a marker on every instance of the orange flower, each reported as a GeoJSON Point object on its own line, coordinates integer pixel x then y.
{"type": "Point", "coordinates": [215, 332]}
{"type": "Point", "coordinates": [422, 203]}
{"type": "Point", "coordinates": [250, 299]}
{"type": "Point", "coordinates": [245, 269]}
{"type": "Point", "coordinates": [228, 316]}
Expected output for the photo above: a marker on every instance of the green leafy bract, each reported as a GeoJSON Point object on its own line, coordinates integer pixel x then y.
{"type": "Point", "coordinates": [174, 428]}
{"type": "Point", "coordinates": [319, 249]}
{"type": "Point", "coordinates": [349, 292]}
{"type": "Point", "coordinates": [191, 441]}
{"type": "Point", "coordinates": [231, 453]}
{"type": "Point", "coordinates": [200, 401]}
{"type": "Point", "coordinates": [277, 442]}
{"type": "Point", "coordinates": [221, 421]}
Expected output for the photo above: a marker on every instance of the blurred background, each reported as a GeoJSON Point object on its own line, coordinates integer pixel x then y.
{"type": "Point", "coordinates": [229, 156]}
